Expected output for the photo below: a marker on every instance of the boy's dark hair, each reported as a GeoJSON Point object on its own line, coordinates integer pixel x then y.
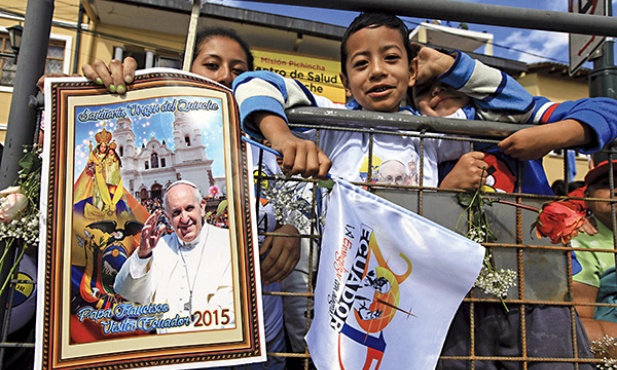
{"type": "Point", "coordinates": [374, 20]}
{"type": "Point", "coordinates": [207, 33]}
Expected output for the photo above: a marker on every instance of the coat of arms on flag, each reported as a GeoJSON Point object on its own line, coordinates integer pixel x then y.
{"type": "Point", "coordinates": [388, 286]}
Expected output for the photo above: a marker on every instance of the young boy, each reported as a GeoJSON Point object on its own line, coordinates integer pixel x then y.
{"type": "Point", "coordinates": [596, 281]}
{"type": "Point", "coordinates": [579, 122]}
{"type": "Point", "coordinates": [377, 68]}
{"type": "Point", "coordinates": [376, 72]}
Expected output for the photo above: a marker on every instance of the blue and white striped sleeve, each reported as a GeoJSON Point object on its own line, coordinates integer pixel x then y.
{"type": "Point", "coordinates": [491, 89]}
{"type": "Point", "coordinates": [265, 91]}
{"type": "Point", "coordinates": [598, 114]}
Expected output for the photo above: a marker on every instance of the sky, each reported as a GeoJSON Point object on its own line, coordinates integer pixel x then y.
{"type": "Point", "coordinates": [147, 125]}
{"type": "Point", "coordinates": [525, 45]}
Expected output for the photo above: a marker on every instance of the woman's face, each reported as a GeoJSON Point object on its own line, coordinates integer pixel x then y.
{"type": "Point", "coordinates": [220, 59]}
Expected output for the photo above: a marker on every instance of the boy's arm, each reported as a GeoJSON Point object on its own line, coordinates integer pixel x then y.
{"type": "Point", "coordinates": [585, 124]}
{"type": "Point", "coordinates": [282, 254]}
{"type": "Point", "coordinates": [262, 98]}
{"type": "Point", "coordinates": [299, 156]}
{"type": "Point", "coordinates": [596, 329]}
{"type": "Point", "coordinates": [536, 142]}
{"type": "Point", "coordinates": [490, 88]}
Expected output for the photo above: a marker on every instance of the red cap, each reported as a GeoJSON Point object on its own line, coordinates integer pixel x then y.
{"type": "Point", "coordinates": [599, 171]}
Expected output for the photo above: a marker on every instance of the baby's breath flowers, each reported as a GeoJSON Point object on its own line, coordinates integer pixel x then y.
{"type": "Point", "coordinates": [290, 200]}
{"type": "Point", "coordinates": [19, 210]}
{"type": "Point", "coordinates": [495, 281]}
{"type": "Point", "coordinates": [491, 280]}
{"type": "Point", "coordinates": [605, 349]}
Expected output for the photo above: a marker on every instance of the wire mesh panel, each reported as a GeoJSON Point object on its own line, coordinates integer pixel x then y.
{"type": "Point", "coordinates": [534, 325]}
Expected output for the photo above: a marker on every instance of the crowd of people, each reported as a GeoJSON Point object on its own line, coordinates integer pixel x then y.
{"type": "Point", "coordinates": [383, 72]}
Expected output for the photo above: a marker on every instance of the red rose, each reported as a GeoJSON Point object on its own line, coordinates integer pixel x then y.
{"type": "Point", "coordinates": [578, 193]}
{"type": "Point", "coordinates": [560, 221]}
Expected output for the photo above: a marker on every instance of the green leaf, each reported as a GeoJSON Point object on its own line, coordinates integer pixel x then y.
{"type": "Point", "coordinates": [487, 201]}
{"type": "Point", "coordinates": [328, 184]}
{"type": "Point", "coordinates": [464, 199]}
{"type": "Point", "coordinates": [221, 208]}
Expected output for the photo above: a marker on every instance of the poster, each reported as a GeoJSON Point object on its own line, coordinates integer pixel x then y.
{"type": "Point", "coordinates": [193, 301]}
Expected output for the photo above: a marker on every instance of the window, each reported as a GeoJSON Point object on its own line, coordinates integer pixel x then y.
{"type": "Point", "coordinates": [147, 165]}
{"type": "Point", "coordinates": [162, 162]}
{"type": "Point", "coordinates": [168, 62]}
{"type": "Point", "coordinates": [7, 64]}
{"type": "Point", "coordinates": [154, 159]}
{"type": "Point", "coordinates": [187, 141]}
{"type": "Point", "coordinates": [152, 58]}
{"type": "Point", "coordinates": [56, 57]}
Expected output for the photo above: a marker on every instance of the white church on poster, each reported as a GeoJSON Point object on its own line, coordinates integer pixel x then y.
{"type": "Point", "coordinates": [148, 169]}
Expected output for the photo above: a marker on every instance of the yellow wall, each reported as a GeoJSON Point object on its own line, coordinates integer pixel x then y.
{"type": "Point", "coordinates": [557, 87]}
{"type": "Point", "coordinates": [103, 47]}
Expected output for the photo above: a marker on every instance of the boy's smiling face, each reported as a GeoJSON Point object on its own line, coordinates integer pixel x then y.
{"type": "Point", "coordinates": [378, 69]}
{"type": "Point", "coordinates": [436, 99]}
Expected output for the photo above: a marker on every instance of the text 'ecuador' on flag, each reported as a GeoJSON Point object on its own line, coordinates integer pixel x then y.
{"type": "Point", "coordinates": [388, 286]}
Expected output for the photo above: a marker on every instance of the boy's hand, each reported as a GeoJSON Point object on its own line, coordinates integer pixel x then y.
{"type": "Point", "coordinates": [115, 75]}
{"type": "Point", "coordinates": [281, 254]}
{"type": "Point", "coordinates": [429, 63]}
{"type": "Point", "coordinates": [536, 142]}
{"type": "Point", "coordinates": [529, 143]}
{"type": "Point", "coordinates": [469, 173]}
{"type": "Point", "coordinates": [299, 156]}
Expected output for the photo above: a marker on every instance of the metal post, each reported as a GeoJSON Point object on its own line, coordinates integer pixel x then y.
{"type": "Point", "coordinates": [22, 118]}
{"type": "Point", "coordinates": [603, 77]}
{"type": "Point", "coordinates": [190, 38]}
{"type": "Point", "coordinates": [80, 19]}
{"type": "Point", "coordinates": [507, 16]}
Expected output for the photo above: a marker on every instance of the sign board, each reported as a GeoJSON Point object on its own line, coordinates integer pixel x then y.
{"type": "Point", "coordinates": [582, 46]}
{"type": "Point", "coordinates": [320, 76]}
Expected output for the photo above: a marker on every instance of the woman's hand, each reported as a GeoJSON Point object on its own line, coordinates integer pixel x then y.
{"type": "Point", "coordinates": [114, 76]}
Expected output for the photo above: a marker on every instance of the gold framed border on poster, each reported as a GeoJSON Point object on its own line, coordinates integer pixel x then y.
{"type": "Point", "coordinates": [195, 300]}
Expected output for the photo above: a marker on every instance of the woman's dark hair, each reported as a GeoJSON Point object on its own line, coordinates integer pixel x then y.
{"type": "Point", "coordinates": [207, 33]}
{"type": "Point", "coordinates": [374, 20]}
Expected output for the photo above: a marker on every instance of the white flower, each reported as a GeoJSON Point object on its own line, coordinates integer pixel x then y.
{"type": "Point", "coordinates": [288, 201]}
{"type": "Point", "coordinates": [11, 206]}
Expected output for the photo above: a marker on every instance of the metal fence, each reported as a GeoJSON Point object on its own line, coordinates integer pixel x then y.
{"type": "Point", "coordinates": [544, 269]}
{"type": "Point", "coordinates": [544, 284]}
